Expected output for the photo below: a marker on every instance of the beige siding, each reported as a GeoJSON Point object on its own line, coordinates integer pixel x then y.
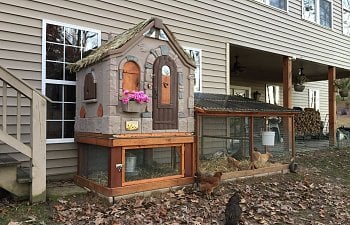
{"type": "Point", "coordinates": [203, 24]}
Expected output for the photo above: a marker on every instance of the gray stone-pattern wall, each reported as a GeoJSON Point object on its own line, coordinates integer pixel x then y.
{"type": "Point", "coordinates": [109, 76]}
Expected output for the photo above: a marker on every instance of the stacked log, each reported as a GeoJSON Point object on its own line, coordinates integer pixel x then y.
{"type": "Point", "coordinates": [308, 123]}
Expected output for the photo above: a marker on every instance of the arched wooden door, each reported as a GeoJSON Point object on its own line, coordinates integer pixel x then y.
{"type": "Point", "coordinates": [165, 94]}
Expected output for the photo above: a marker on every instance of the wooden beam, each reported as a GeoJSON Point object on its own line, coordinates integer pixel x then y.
{"type": "Point", "coordinates": [331, 105]}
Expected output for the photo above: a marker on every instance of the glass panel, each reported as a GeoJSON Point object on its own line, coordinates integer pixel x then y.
{"type": "Point", "coordinates": [166, 87]}
{"type": "Point", "coordinates": [54, 33]}
{"type": "Point", "coordinates": [54, 129]}
{"type": "Point", "coordinates": [95, 164]}
{"type": "Point", "coordinates": [72, 54]}
{"type": "Point", "coordinates": [325, 13]}
{"type": "Point", "coordinates": [54, 70]}
{"type": "Point", "coordinates": [152, 163]}
{"type": "Point", "coordinates": [90, 40]}
{"type": "Point", "coordinates": [54, 52]}
{"type": "Point", "coordinates": [68, 129]}
{"type": "Point", "coordinates": [279, 4]}
{"type": "Point", "coordinates": [54, 92]}
{"type": "Point", "coordinates": [196, 55]}
{"type": "Point", "coordinates": [69, 75]}
{"type": "Point", "coordinates": [73, 36]}
{"type": "Point", "coordinates": [54, 111]}
{"type": "Point", "coordinates": [310, 10]}
{"type": "Point", "coordinates": [69, 93]}
{"type": "Point", "coordinates": [69, 111]}
{"type": "Point", "coordinates": [346, 23]}
{"type": "Point", "coordinates": [346, 4]}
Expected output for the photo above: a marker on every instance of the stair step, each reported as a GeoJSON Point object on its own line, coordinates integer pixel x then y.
{"type": "Point", "coordinates": [6, 160]}
{"type": "Point", "coordinates": [23, 175]}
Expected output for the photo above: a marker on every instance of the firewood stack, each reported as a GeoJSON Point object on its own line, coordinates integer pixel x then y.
{"type": "Point", "coordinates": [308, 123]}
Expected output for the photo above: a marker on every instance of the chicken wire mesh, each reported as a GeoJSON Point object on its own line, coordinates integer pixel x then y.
{"type": "Point", "coordinates": [224, 143]}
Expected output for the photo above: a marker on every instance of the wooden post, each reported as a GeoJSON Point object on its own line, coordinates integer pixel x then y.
{"type": "Point", "coordinates": [287, 98]}
{"type": "Point", "coordinates": [38, 160]}
{"type": "Point", "coordinates": [331, 104]}
{"type": "Point", "coordinates": [287, 82]}
{"type": "Point", "coordinates": [251, 137]}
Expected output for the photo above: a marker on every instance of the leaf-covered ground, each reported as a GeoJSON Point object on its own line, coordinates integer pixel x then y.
{"type": "Point", "coordinates": [319, 193]}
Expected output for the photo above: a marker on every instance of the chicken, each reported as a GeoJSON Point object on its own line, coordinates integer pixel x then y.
{"type": "Point", "coordinates": [259, 158]}
{"type": "Point", "coordinates": [208, 188]}
{"type": "Point", "coordinates": [265, 157]}
{"type": "Point", "coordinates": [207, 184]}
{"type": "Point", "coordinates": [233, 163]}
{"type": "Point", "coordinates": [233, 210]}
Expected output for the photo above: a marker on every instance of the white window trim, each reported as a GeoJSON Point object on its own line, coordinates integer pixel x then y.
{"type": "Point", "coordinates": [317, 14]}
{"type": "Point", "coordinates": [200, 67]}
{"type": "Point", "coordinates": [317, 99]}
{"type": "Point", "coordinates": [277, 100]}
{"type": "Point", "coordinates": [235, 87]}
{"type": "Point", "coordinates": [267, 3]}
{"type": "Point", "coordinates": [44, 81]}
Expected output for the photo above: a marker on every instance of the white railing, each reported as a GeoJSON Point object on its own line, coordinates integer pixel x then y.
{"type": "Point", "coordinates": [17, 95]}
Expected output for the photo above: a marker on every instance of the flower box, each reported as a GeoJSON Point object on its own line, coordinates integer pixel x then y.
{"type": "Point", "coordinates": [133, 106]}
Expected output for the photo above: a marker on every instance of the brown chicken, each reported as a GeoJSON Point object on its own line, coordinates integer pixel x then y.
{"type": "Point", "coordinates": [233, 163]}
{"type": "Point", "coordinates": [208, 188]}
{"type": "Point", "coordinates": [259, 158]}
{"type": "Point", "coordinates": [207, 184]}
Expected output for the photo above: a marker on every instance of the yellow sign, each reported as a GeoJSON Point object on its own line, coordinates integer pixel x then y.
{"type": "Point", "coordinates": [131, 125]}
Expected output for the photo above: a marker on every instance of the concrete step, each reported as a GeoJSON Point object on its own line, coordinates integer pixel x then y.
{"type": "Point", "coordinates": [8, 176]}
{"type": "Point", "coordinates": [23, 175]}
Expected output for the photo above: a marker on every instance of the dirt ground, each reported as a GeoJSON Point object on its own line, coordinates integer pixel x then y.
{"type": "Point", "coordinates": [319, 193]}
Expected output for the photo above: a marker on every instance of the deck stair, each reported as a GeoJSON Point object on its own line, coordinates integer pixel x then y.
{"type": "Point", "coordinates": [22, 132]}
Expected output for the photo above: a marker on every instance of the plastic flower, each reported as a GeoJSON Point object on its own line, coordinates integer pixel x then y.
{"type": "Point", "coordinates": [137, 96]}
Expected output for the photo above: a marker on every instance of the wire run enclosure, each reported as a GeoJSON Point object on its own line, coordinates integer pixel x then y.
{"type": "Point", "coordinates": [241, 137]}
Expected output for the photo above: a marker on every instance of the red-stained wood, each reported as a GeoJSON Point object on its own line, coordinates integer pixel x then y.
{"type": "Point", "coordinates": [114, 175]}
{"type": "Point", "coordinates": [332, 105]}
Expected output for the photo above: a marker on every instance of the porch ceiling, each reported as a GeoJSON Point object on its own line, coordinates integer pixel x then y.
{"type": "Point", "coordinates": [265, 66]}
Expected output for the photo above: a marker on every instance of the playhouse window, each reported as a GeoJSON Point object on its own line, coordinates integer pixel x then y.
{"type": "Point", "coordinates": [131, 76]}
{"type": "Point", "coordinates": [63, 44]}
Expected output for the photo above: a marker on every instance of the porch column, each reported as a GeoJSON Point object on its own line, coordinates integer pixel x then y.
{"type": "Point", "coordinates": [331, 105]}
{"type": "Point", "coordinates": [287, 82]}
{"type": "Point", "coordinates": [287, 99]}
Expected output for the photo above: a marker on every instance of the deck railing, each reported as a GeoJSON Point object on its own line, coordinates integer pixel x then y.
{"type": "Point", "coordinates": [17, 97]}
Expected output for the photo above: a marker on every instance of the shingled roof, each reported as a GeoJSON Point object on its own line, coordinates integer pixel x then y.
{"type": "Point", "coordinates": [116, 44]}
{"type": "Point", "coordinates": [206, 102]}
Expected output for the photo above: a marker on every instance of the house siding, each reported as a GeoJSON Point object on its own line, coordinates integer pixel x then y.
{"type": "Point", "coordinates": [203, 24]}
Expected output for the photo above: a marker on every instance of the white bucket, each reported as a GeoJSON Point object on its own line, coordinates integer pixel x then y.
{"type": "Point", "coordinates": [130, 166]}
{"type": "Point", "coordinates": [268, 138]}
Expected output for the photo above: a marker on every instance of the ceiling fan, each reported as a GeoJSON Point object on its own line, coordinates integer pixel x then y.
{"type": "Point", "coordinates": [237, 67]}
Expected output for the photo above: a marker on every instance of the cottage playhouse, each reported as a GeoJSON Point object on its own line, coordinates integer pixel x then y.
{"type": "Point", "coordinates": [127, 146]}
